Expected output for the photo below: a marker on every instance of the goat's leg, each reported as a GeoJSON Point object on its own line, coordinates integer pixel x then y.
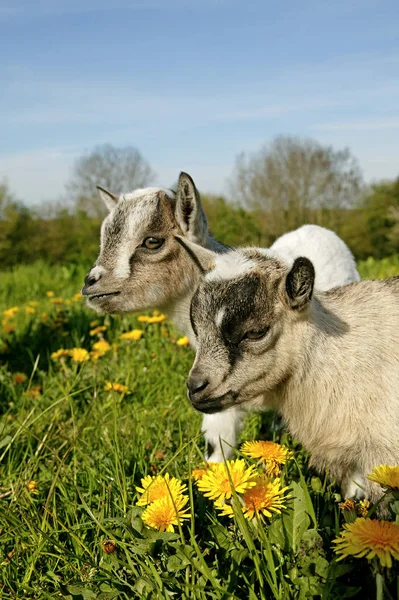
{"type": "Point", "coordinates": [221, 431]}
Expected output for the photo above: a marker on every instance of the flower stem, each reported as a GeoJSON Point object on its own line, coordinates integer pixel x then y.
{"type": "Point", "coordinates": [379, 582]}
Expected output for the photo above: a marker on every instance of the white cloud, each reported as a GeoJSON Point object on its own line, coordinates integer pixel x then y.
{"type": "Point", "coordinates": [371, 124]}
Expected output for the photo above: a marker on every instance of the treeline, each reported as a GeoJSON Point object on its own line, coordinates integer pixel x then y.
{"type": "Point", "coordinates": [282, 186]}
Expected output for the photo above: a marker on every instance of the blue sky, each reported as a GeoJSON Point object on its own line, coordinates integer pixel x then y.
{"type": "Point", "coordinates": [191, 83]}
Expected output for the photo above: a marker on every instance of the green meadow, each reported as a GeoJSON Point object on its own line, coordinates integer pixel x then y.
{"type": "Point", "coordinates": [79, 430]}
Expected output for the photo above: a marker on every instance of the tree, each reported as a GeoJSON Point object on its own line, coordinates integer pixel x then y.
{"type": "Point", "coordinates": [295, 181]}
{"type": "Point", "coordinates": [115, 169]}
{"type": "Point", "coordinates": [381, 207]}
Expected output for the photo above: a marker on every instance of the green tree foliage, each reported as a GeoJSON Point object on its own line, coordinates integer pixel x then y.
{"type": "Point", "coordinates": [381, 210]}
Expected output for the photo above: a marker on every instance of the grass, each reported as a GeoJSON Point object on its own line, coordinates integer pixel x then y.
{"type": "Point", "coordinates": [72, 454]}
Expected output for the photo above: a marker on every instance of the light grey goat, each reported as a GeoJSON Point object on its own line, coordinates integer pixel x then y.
{"type": "Point", "coordinates": [327, 362]}
{"type": "Point", "coordinates": [142, 266]}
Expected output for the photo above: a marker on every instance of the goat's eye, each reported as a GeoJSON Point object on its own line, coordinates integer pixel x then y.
{"type": "Point", "coordinates": [153, 243]}
{"type": "Point", "coordinates": [255, 334]}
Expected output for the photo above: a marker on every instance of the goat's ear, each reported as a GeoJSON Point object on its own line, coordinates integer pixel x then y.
{"type": "Point", "coordinates": [299, 283]}
{"type": "Point", "coordinates": [107, 197]}
{"type": "Point", "coordinates": [202, 257]}
{"type": "Point", "coordinates": [189, 213]}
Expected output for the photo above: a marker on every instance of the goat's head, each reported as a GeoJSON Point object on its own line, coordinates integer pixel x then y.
{"type": "Point", "coordinates": [141, 264]}
{"type": "Point", "coordinates": [244, 315]}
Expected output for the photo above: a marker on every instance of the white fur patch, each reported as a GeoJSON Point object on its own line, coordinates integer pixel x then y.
{"type": "Point", "coordinates": [229, 266]}
{"type": "Point", "coordinates": [122, 269]}
{"type": "Point", "coordinates": [97, 272]}
{"type": "Point", "coordinates": [219, 317]}
{"type": "Point", "coordinates": [150, 191]}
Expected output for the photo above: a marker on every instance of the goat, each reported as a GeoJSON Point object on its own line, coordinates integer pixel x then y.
{"type": "Point", "coordinates": [142, 266]}
{"type": "Point", "coordinates": [328, 362]}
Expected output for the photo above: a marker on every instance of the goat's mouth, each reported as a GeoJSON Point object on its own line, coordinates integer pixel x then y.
{"type": "Point", "coordinates": [94, 297]}
{"type": "Point", "coordinates": [218, 404]}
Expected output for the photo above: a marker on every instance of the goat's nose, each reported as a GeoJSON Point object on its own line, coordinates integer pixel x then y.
{"type": "Point", "coordinates": [90, 279]}
{"type": "Point", "coordinates": [196, 384]}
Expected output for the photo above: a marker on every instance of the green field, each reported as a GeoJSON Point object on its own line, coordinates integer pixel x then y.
{"type": "Point", "coordinates": [72, 453]}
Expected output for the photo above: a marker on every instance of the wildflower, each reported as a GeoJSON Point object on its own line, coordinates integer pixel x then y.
{"type": "Point", "coordinates": [44, 317]}
{"type": "Point", "coordinates": [156, 319]}
{"type": "Point", "coordinates": [94, 323]}
{"type": "Point", "coordinates": [19, 377]}
{"type": "Point", "coordinates": [34, 391]}
{"type": "Point", "coordinates": [386, 476]}
{"type": "Point", "coordinates": [32, 486]}
{"type": "Point", "coordinates": [109, 546]}
{"type": "Point", "coordinates": [135, 334]}
{"type": "Point", "coordinates": [264, 497]}
{"type": "Point", "coordinates": [9, 328]}
{"type": "Point", "coordinates": [166, 512]}
{"type": "Point", "coordinates": [116, 387]}
{"type": "Point", "coordinates": [30, 310]}
{"type": "Point", "coordinates": [57, 300]}
{"type": "Point", "coordinates": [348, 504]}
{"type": "Point", "coordinates": [79, 354]}
{"type": "Point", "coordinates": [77, 297]}
{"type": "Point", "coordinates": [215, 483]}
{"type": "Point", "coordinates": [369, 538]}
{"type": "Point", "coordinates": [61, 353]}
{"type": "Point", "coordinates": [98, 330]}
{"type": "Point", "coordinates": [198, 473]}
{"type": "Point", "coordinates": [363, 507]}
{"type": "Point", "coordinates": [50, 294]}
{"type": "Point", "coordinates": [160, 486]}
{"type": "Point", "coordinates": [101, 346]}
{"type": "Point", "coordinates": [10, 312]}
{"type": "Point", "coordinates": [33, 303]}
{"type": "Point", "coordinates": [183, 341]}
{"type": "Point", "coordinates": [271, 454]}
{"type": "Point", "coordinates": [143, 318]}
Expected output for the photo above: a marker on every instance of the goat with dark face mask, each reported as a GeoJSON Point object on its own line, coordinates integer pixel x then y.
{"type": "Point", "coordinates": [327, 362]}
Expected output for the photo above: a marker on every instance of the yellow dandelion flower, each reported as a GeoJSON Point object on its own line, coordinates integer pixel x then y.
{"type": "Point", "coordinates": [348, 504]}
{"type": "Point", "coordinates": [386, 476]}
{"type": "Point", "coordinates": [215, 483]}
{"type": "Point", "coordinates": [33, 303]}
{"type": "Point", "coordinates": [156, 313]}
{"type": "Point", "coordinates": [369, 538]}
{"type": "Point", "coordinates": [44, 317]}
{"type": "Point", "coordinates": [158, 486]}
{"type": "Point", "coordinates": [264, 497]}
{"type": "Point", "coordinates": [32, 486]}
{"type": "Point", "coordinates": [94, 323]}
{"type": "Point", "coordinates": [115, 387]}
{"type": "Point", "coordinates": [135, 334]}
{"type": "Point", "coordinates": [34, 391]}
{"type": "Point", "coordinates": [143, 318]}
{"type": "Point", "coordinates": [157, 319]}
{"type": "Point", "coordinates": [165, 513]}
{"type": "Point", "coordinates": [57, 300]}
{"type": "Point", "coordinates": [198, 473]}
{"type": "Point", "coordinates": [30, 310]}
{"type": "Point", "coordinates": [98, 330]}
{"type": "Point", "coordinates": [19, 377]}
{"type": "Point", "coordinates": [183, 341]}
{"type": "Point", "coordinates": [79, 354]}
{"type": "Point", "coordinates": [50, 294]}
{"type": "Point", "coordinates": [10, 312]}
{"type": "Point", "coordinates": [61, 353]}
{"type": "Point", "coordinates": [271, 454]}
{"type": "Point", "coordinates": [77, 297]}
{"type": "Point", "coordinates": [363, 507]}
{"type": "Point", "coordinates": [102, 346]}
